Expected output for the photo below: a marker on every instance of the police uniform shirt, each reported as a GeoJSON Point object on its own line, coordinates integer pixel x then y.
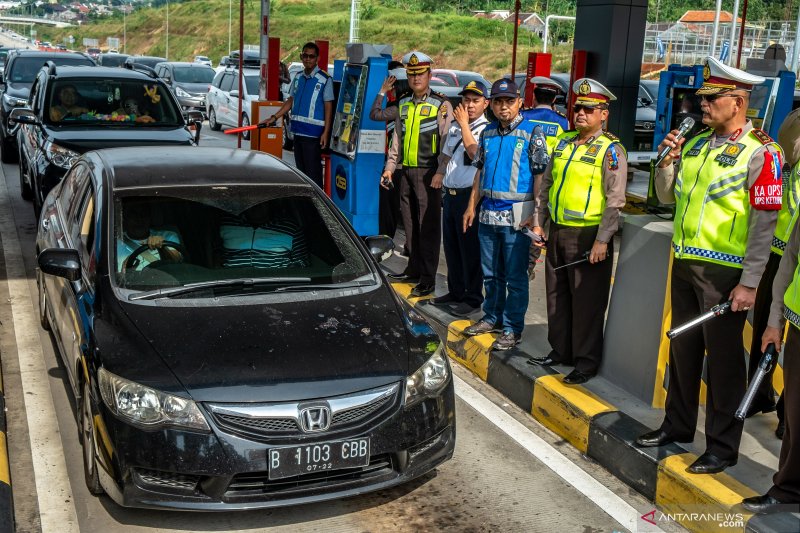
{"type": "Point", "coordinates": [615, 180]}
{"type": "Point", "coordinates": [327, 91]}
{"type": "Point", "coordinates": [457, 174]}
{"type": "Point", "coordinates": [761, 222]}
{"type": "Point", "coordinates": [377, 112]}
{"type": "Point", "coordinates": [444, 118]}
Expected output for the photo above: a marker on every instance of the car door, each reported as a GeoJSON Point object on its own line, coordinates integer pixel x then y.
{"type": "Point", "coordinates": [75, 299]}
{"type": "Point", "coordinates": [228, 105]}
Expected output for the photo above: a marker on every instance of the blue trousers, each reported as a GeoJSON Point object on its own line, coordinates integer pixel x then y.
{"type": "Point", "coordinates": [504, 260]}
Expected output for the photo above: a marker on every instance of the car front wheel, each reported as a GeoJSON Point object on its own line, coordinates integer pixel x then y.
{"type": "Point", "coordinates": [43, 317]}
{"type": "Point", "coordinates": [87, 440]}
{"type": "Point", "coordinates": [212, 120]}
{"type": "Point", "coordinates": [24, 187]}
{"type": "Point", "coordinates": [245, 123]}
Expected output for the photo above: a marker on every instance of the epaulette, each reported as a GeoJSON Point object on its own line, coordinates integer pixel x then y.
{"type": "Point", "coordinates": [611, 136]}
{"type": "Point", "coordinates": [762, 136]}
{"type": "Point", "coordinates": [325, 73]}
{"type": "Point", "coordinates": [439, 95]}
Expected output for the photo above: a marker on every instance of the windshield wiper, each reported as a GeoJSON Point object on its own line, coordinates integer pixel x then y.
{"type": "Point", "coordinates": [325, 287]}
{"type": "Point", "coordinates": [192, 287]}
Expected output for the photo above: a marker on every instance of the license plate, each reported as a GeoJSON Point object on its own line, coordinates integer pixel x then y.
{"type": "Point", "coordinates": [309, 458]}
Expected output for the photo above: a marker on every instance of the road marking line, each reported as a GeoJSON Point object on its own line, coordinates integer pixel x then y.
{"type": "Point", "coordinates": [613, 505]}
{"type": "Point", "coordinates": [53, 490]}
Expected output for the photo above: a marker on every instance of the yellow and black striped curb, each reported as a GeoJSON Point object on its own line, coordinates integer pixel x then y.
{"type": "Point", "coordinates": [605, 434]}
{"type": "Point", "coordinates": [6, 500]}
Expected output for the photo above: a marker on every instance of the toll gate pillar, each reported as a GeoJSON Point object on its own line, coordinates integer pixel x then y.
{"type": "Point", "coordinates": [612, 32]}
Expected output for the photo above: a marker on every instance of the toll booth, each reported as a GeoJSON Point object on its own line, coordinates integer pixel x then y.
{"type": "Point", "coordinates": [358, 144]}
{"type": "Point", "coordinates": [770, 102]}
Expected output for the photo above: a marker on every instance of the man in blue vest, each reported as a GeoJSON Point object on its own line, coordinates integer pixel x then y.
{"type": "Point", "coordinates": [311, 104]}
{"type": "Point", "coordinates": [553, 123]}
{"type": "Point", "coordinates": [511, 153]}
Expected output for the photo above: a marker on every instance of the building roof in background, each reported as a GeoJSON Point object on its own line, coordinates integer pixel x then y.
{"type": "Point", "coordinates": [707, 17]}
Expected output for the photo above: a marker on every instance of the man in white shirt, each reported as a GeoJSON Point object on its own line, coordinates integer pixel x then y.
{"type": "Point", "coordinates": [455, 176]}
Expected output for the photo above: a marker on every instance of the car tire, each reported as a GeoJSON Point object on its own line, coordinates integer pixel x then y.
{"type": "Point", "coordinates": [44, 319]}
{"type": "Point", "coordinates": [212, 120]}
{"type": "Point", "coordinates": [86, 419]}
{"type": "Point", "coordinates": [7, 152]}
{"type": "Point", "coordinates": [245, 123]}
{"type": "Point", "coordinates": [24, 188]}
{"type": "Point", "coordinates": [37, 202]}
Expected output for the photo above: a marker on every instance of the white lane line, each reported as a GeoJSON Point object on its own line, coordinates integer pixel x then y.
{"type": "Point", "coordinates": [53, 490]}
{"type": "Point", "coordinates": [613, 505]}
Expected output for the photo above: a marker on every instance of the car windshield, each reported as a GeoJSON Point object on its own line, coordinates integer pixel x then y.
{"type": "Point", "coordinates": [221, 235]}
{"type": "Point", "coordinates": [24, 69]}
{"type": "Point", "coordinates": [194, 74]}
{"type": "Point", "coordinates": [108, 101]}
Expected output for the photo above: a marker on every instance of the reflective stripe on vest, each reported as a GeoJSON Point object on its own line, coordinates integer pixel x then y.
{"type": "Point", "coordinates": [787, 216]}
{"type": "Point", "coordinates": [506, 166]}
{"type": "Point", "coordinates": [420, 131]}
{"type": "Point", "coordinates": [712, 208]}
{"type": "Point", "coordinates": [576, 196]}
{"type": "Point", "coordinates": [308, 108]}
{"type": "Point", "coordinates": [791, 300]}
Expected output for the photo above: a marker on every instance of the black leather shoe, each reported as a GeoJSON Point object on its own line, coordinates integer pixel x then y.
{"type": "Point", "coordinates": [761, 504]}
{"type": "Point", "coordinates": [403, 277]}
{"type": "Point", "coordinates": [780, 429]}
{"type": "Point", "coordinates": [444, 300]}
{"type": "Point", "coordinates": [577, 377]}
{"type": "Point", "coordinates": [654, 438]}
{"type": "Point", "coordinates": [548, 360]}
{"type": "Point", "coordinates": [421, 290]}
{"type": "Point", "coordinates": [462, 309]}
{"type": "Point", "coordinates": [708, 463]}
{"type": "Point", "coordinates": [760, 408]}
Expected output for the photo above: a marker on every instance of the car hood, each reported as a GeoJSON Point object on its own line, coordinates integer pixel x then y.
{"type": "Point", "coordinates": [194, 88]}
{"type": "Point", "coordinates": [83, 139]}
{"type": "Point", "coordinates": [19, 90]}
{"type": "Point", "coordinates": [287, 351]}
{"type": "Point", "coordinates": [646, 113]}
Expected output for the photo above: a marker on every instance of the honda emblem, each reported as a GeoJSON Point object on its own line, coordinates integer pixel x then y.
{"type": "Point", "coordinates": [315, 419]}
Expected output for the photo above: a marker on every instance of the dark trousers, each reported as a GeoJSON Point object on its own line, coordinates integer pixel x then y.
{"type": "Point", "coordinates": [786, 482]}
{"type": "Point", "coordinates": [696, 287]}
{"type": "Point", "coordinates": [388, 211]}
{"type": "Point", "coordinates": [421, 210]}
{"type": "Point", "coordinates": [577, 297]}
{"type": "Point", "coordinates": [308, 157]}
{"type": "Point", "coordinates": [461, 250]}
{"type": "Point", "coordinates": [766, 394]}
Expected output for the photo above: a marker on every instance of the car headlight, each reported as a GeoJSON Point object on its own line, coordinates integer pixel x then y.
{"type": "Point", "coordinates": [429, 380]}
{"type": "Point", "coordinates": [180, 92]}
{"type": "Point", "coordinates": [13, 101]}
{"type": "Point", "coordinates": [60, 156]}
{"type": "Point", "coordinates": [148, 408]}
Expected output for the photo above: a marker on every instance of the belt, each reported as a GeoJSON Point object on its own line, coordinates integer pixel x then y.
{"type": "Point", "coordinates": [455, 192]}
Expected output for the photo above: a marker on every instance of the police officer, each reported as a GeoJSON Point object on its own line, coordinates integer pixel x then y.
{"type": "Point", "coordinates": [582, 193]}
{"type": "Point", "coordinates": [552, 122]}
{"type": "Point", "coordinates": [789, 139]}
{"type": "Point", "coordinates": [423, 120]}
{"type": "Point", "coordinates": [311, 104]}
{"type": "Point", "coordinates": [512, 151]}
{"type": "Point", "coordinates": [456, 175]}
{"type": "Point", "coordinates": [784, 495]}
{"type": "Point", "coordinates": [724, 222]}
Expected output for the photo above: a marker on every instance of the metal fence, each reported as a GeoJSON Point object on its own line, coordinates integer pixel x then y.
{"type": "Point", "coordinates": [689, 44]}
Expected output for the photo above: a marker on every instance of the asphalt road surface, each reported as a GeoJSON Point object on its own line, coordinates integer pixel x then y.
{"type": "Point", "coordinates": [508, 474]}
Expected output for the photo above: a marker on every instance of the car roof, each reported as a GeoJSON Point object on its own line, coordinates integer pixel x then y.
{"type": "Point", "coordinates": [183, 64]}
{"type": "Point", "coordinates": [170, 166]}
{"type": "Point", "coordinates": [101, 72]}
{"type": "Point", "coordinates": [42, 53]}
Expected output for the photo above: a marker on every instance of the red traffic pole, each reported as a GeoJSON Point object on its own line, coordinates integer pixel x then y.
{"type": "Point", "coordinates": [241, 67]}
{"type": "Point", "coordinates": [516, 30]}
{"type": "Point", "coordinates": [741, 35]}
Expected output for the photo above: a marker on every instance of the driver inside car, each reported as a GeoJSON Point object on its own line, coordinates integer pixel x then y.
{"type": "Point", "coordinates": [137, 231]}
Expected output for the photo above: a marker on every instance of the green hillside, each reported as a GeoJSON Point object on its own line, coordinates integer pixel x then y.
{"type": "Point", "coordinates": [200, 27]}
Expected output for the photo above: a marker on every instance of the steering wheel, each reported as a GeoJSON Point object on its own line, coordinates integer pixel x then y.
{"type": "Point", "coordinates": [132, 259]}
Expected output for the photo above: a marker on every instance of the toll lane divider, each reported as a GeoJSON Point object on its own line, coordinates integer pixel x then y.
{"type": "Point", "coordinates": [700, 503]}
{"type": "Point", "coordinates": [6, 499]}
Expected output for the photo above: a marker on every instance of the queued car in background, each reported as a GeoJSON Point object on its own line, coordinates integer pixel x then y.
{"type": "Point", "coordinates": [189, 82]}
{"type": "Point", "coordinates": [222, 101]}
{"type": "Point", "coordinates": [147, 61]}
{"type": "Point", "coordinates": [4, 50]}
{"type": "Point", "coordinates": [203, 60]}
{"type": "Point", "coordinates": [112, 59]}
{"type": "Point", "coordinates": [459, 78]}
{"type": "Point", "coordinates": [270, 397]}
{"type": "Point", "coordinates": [250, 59]}
{"type": "Point", "coordinates": [108, 107]}
{"type": "Point", "coordinates": [22, 66]}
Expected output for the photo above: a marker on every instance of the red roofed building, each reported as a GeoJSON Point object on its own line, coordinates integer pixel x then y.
{"type": "Point", "coordinates": [707, 17]}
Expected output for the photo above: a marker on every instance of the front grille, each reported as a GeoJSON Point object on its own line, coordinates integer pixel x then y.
{"type": "Point", "coordinates": [259, 483]}
{"type": "Point", "coordinates": [167, 479]}
{"type": "Point", "coordinates": [261, 425]}
{"type": "Point", "coordinates": [354, 415]}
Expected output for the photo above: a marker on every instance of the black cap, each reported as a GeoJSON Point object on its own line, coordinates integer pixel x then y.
{"type": "Point", "coordinates": [476, 87]}
{"type": "Point", "coordinates": [504, 88]}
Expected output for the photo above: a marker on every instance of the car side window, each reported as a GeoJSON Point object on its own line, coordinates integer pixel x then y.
{"type": "Point", "coordinates": [73, 182]}
{"type": "Point", "coordinates": [82, 227]}
{"type": "Point", "coordinates": [34, 97]}
{"type": "Point", "coordinates": [227, 83]}
{"type": "Point", "coordinates": [218, 79]}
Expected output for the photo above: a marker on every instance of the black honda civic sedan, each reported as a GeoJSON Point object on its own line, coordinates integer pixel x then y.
{"type": "Point", "coordinates": [230, 341]}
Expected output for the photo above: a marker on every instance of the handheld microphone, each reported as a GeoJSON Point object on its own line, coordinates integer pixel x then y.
{"type": "Point", "coordinates": [683, 129]}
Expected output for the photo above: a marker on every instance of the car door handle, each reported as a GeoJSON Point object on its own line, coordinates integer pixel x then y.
{"type": "Point", "coordinates": [45, 224]}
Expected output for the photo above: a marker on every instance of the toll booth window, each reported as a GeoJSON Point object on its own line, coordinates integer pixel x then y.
{"type": "Point", "coordinates": [686, 103]}
{"type": "Point", "coordinates": [762, 98]}
{"type": "Point", "coordinates": [349, 110]}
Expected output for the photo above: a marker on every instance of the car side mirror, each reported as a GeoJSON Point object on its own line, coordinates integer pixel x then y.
{"type": "Point", "coordinates": [166, 79]}
{"type": "Point", "coordinates": [62, 262]}
{"type": "Point", "coordinates": [22, 115]}
{"type": "Point", "coordinates": [235, 93]}
{"type": "Point", "coordinates": [380, 246]}
{"type": "Point", "coordinates": [646, 102]}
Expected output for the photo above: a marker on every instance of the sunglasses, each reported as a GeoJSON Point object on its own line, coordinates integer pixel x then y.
{"type": "Point", "coordinates": [585, 109]}
{"type": "Point", "coordinates": [307, 56]}
{"type": "Point", "coordinates": [713, 97]}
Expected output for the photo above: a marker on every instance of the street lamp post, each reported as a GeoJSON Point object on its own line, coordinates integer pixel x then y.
{"type": "Point", "coordinates": [230, 22]}
{"type": "Point", "coordinates": [167, 50]}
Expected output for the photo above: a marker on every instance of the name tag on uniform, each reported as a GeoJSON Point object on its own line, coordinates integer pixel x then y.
{"type": "Point", "coordinates": [695, 150]}
{"type": "Point", "coordinates": [729, 155]}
